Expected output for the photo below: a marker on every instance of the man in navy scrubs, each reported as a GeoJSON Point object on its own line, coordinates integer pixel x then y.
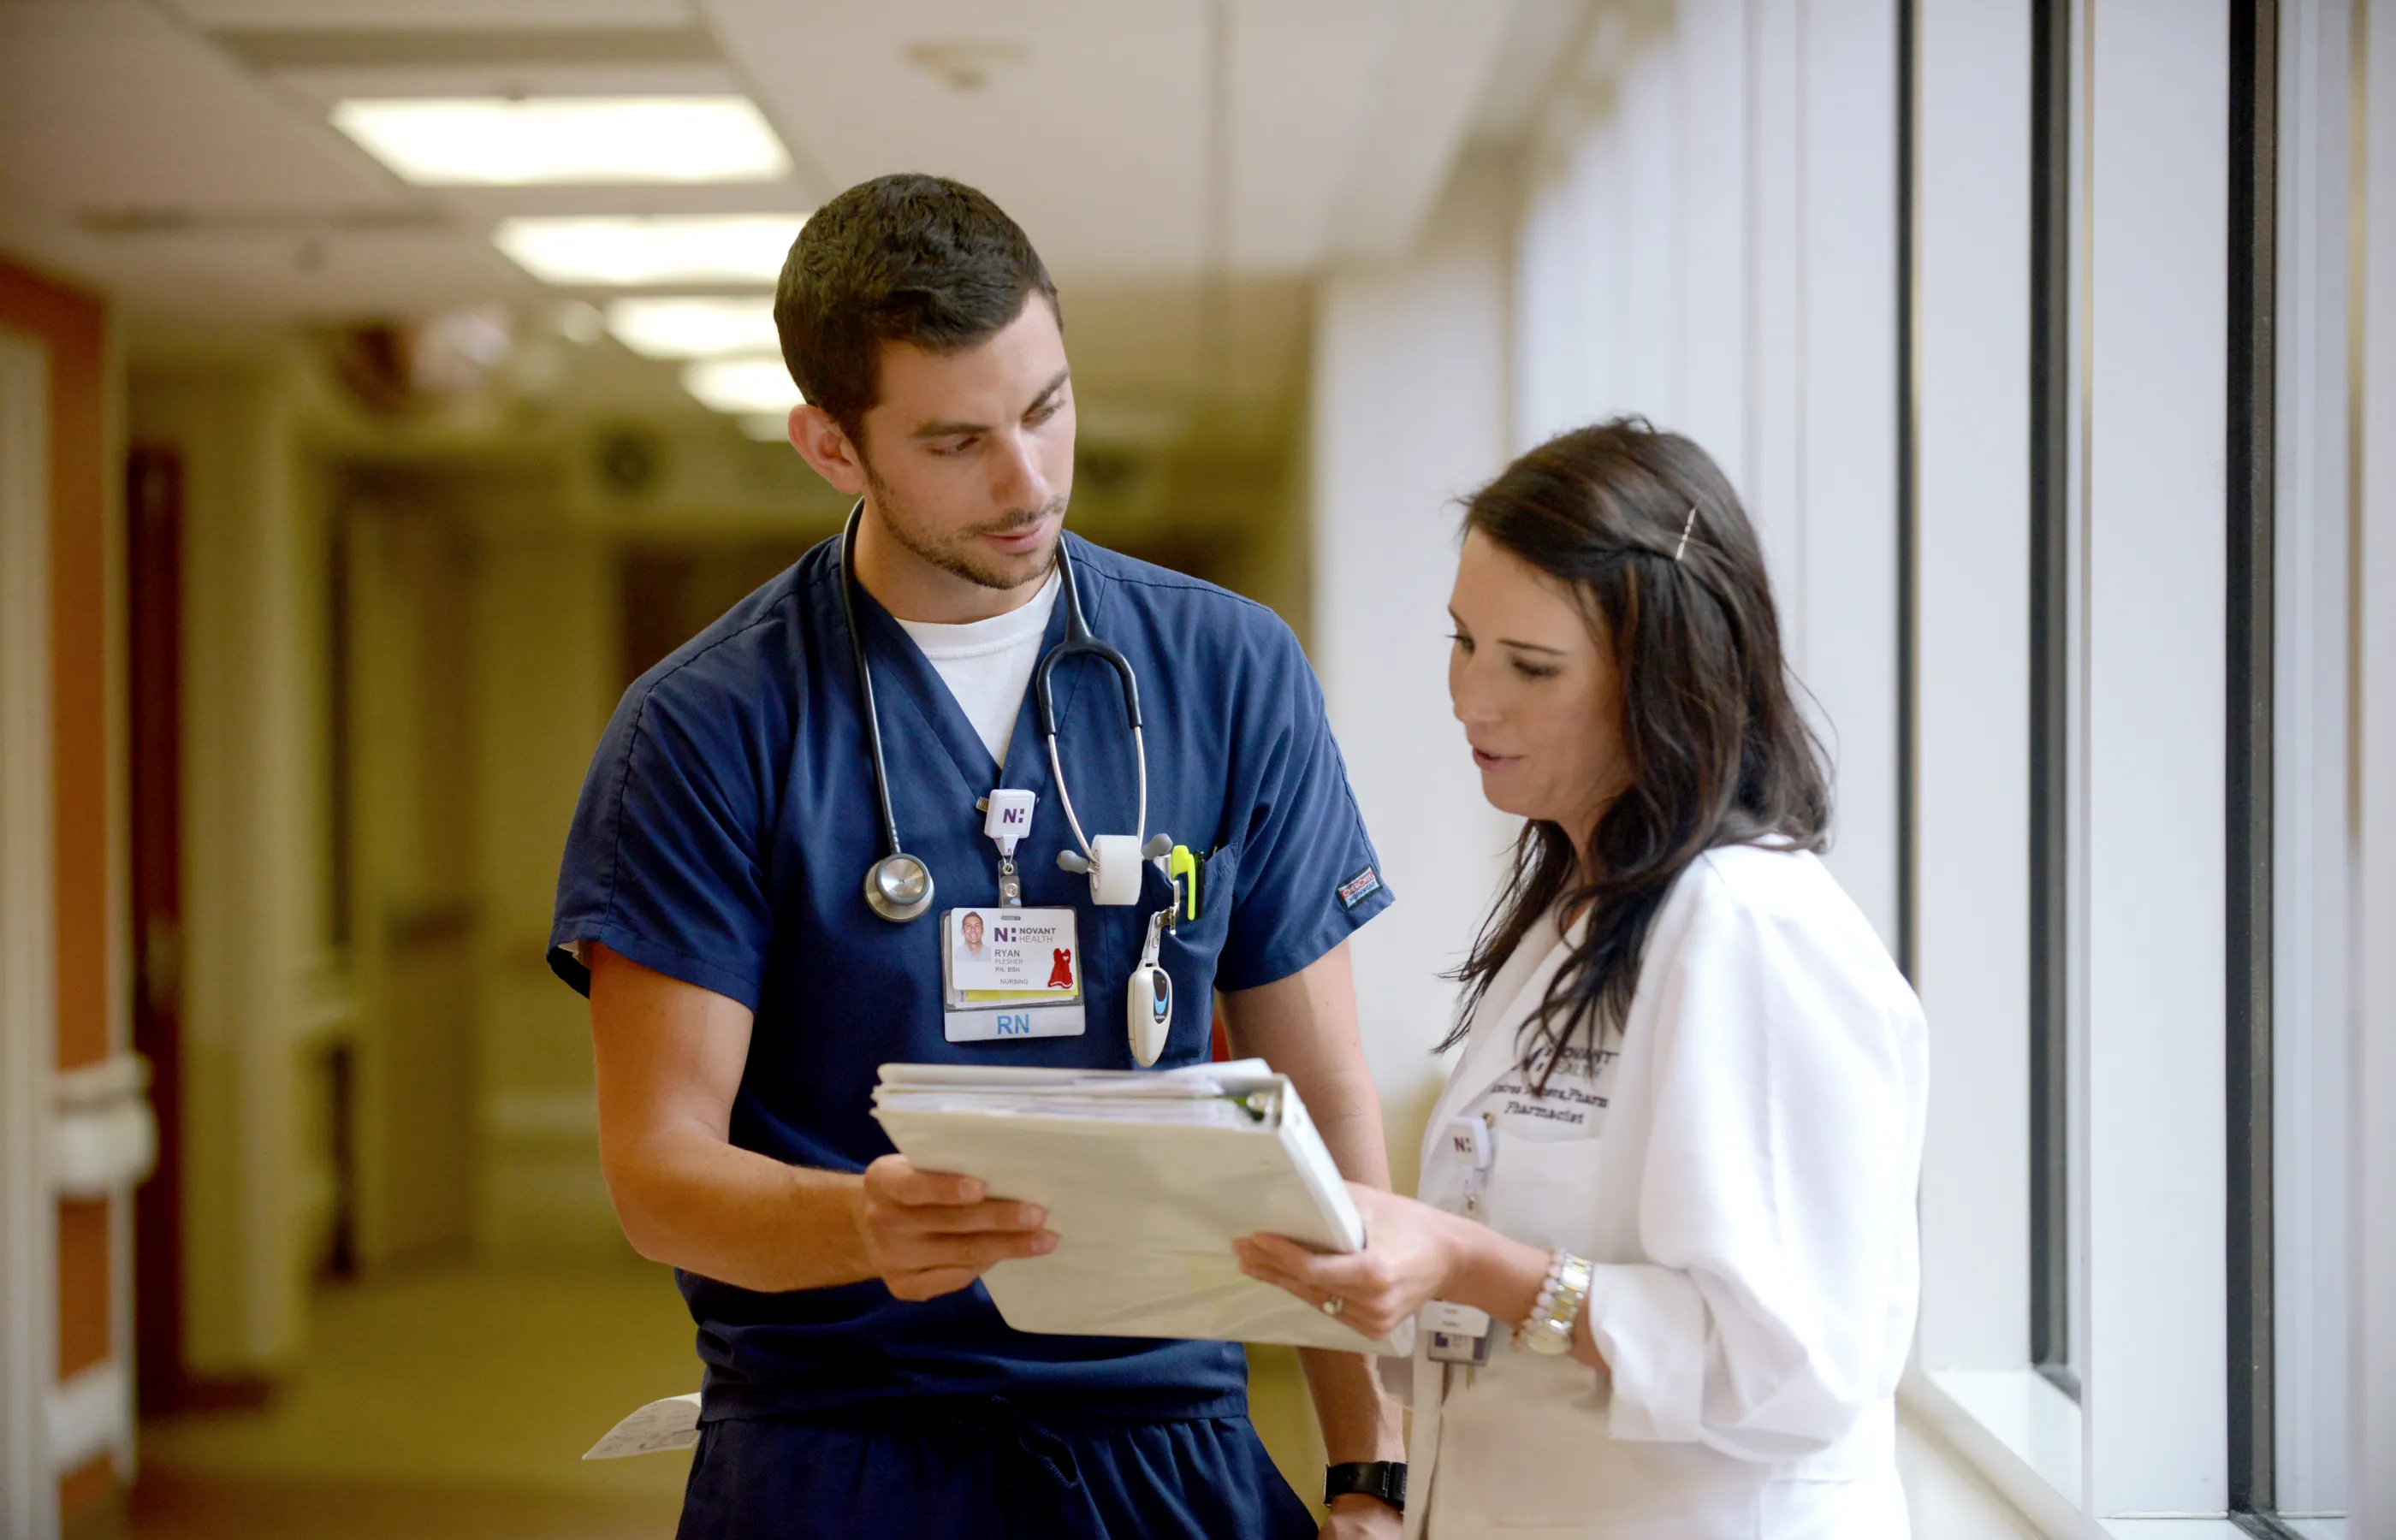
{"type": "Point", "coordinates": [743, 992]}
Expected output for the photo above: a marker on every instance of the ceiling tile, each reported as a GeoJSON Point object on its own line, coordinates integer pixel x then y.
{"type": "Point", "coordinates": [431, 15]}
{"type": "Point", "coordinates": [277, 276]}
{"type": "Point", "coordinates": [106, 105]}
{"type": "Point", "coordinates": [1094, 134]}
{"type": "Point", "coordinates": [320, 88]}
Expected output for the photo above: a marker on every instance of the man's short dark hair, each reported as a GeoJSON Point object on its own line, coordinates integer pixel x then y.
{"type": "Point", "coordinates": [906, 258]}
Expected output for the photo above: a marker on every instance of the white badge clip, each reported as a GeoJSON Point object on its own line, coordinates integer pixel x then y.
{"type": "Point", "coordinates": [1006, 818]}
{"type": "Point", "coordinates": [1471, 1142]}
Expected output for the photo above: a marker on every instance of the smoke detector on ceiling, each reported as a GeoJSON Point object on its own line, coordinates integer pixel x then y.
{"type": "Point", "coordinates": [966, 64]}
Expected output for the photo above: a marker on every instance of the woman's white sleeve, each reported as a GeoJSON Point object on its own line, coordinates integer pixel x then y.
{"type": "Point", "coordinates": [1785, 1087]}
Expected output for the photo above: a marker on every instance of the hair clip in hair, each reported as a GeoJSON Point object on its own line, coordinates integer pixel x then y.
{"type": "Point", "coordinates": [1687, 525]}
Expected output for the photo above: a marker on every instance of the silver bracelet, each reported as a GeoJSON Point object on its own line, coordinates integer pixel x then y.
{"type": "Point", "coordinates": [1548, 1330]}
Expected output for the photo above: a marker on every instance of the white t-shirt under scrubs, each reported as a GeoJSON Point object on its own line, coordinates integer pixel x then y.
{"type": "Point", "coordinates": [987, 664]}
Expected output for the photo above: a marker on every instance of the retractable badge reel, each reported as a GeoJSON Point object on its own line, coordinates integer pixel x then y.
{"type": "Point", "coordinates": [1007, 819]}
{"type": "Point", "coordinates": [1460, 1333]}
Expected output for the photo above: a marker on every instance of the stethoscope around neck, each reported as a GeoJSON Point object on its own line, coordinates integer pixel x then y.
{"type": "Point", "coordinates": [898, 886]}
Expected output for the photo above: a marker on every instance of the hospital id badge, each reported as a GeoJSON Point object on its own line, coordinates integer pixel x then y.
{"type": "Point", "coordinates": [1010, 972]}
{"type": "Point", "coordinates": [1458, 1333]}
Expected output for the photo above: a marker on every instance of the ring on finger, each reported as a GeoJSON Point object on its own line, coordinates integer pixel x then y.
{"type": "Point", "coordinates": [1334, 1305]}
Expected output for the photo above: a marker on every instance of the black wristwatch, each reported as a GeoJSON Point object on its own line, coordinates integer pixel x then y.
{"type": "Point", "coordinates": [1382, 1478]}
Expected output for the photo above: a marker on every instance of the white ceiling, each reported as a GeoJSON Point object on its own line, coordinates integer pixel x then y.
{"type": "Point", "coordinates": [176, 152]}
{"type": "Point", "coordinates": [425, 15]}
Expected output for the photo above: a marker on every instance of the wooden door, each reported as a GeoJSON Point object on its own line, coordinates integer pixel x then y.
{"type": "Point", "coordinates": [153, 502]}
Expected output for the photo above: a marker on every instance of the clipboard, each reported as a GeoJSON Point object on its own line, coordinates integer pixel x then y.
{"type": "Point", "coordinates": [1147, 1177]}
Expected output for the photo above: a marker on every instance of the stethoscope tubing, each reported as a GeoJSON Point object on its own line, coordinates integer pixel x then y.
{"type": "Point", "coordinates": [1078, 643]}
{"type": "Point", "coordinates": [865, 679]}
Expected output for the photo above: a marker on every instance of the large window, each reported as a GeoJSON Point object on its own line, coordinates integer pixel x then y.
{"type": "Point", "coordinates": [2081, 583]}
{"type": "Point", "coordinates": [2169, 1331]}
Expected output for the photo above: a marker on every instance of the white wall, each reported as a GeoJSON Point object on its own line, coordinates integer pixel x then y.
{"type": "Point", "coordinates": [545, 668]}
{"type": "Point", "coordinates": [2373, 1085]}
{"type": "Point", "coordinates": [1973, 712]}
{"type": "Point", "coordinates": [1704, 233]}
{"type": "Point", "coordinates": [2151, 735]}
{"type": "Point", "coordinates": [1840, 556]}
{"type": "Point", "coordinates": [1709, 239]}
{"type": "Point", "coordinates": [2312, 837]}
{"type": "Point", "coordinates": [1409, 414]}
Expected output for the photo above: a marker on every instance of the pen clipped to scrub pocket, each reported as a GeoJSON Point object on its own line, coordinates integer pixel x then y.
{"type": "Point", "coordinates": [1187, 870]}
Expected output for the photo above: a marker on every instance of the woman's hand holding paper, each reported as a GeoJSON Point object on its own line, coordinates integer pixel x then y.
{"type": "Point", "coordinates": [1412, 1250]}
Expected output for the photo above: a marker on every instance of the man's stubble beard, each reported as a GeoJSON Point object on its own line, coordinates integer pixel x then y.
{"type": "Point", "coordinates": [956, 557]}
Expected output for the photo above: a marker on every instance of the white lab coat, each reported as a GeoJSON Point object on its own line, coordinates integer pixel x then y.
{"type": "Point", "coordinates": [1746, 1189]}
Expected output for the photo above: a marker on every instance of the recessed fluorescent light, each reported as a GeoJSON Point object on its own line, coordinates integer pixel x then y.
{"type": "Point", "coordinates": [658, 248]}
{"type": "Point", "coordinates": [742, 387]}
{"type": "Point", "coordinates": [695, 327]}
{"type": "Point", "coordinates": [491, 141]}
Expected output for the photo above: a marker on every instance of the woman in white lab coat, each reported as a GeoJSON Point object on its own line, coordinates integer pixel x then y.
{"type": "Point", "coordinates": [1672, 1172]}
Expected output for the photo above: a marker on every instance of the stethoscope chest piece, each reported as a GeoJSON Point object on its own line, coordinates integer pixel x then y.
{"type": "Point", "coordinates": [898, 886]}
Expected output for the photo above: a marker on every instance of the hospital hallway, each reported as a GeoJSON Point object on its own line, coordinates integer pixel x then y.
{"type": "Point", "coordinates": [449, 1400]}
{"type": "Point", "coordinates": [456, 1400]}
{"type": "Point", "coordinates": [392, 389]}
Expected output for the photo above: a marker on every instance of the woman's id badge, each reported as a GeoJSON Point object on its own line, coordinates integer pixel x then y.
{"type": "Point", "coordinates": [1459, 1334]}
{"type": "Point", "coordinates": [1010, 972]}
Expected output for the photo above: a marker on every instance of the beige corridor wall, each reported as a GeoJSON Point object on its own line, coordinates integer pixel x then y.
{"type": "Point", "coordinates": [547, 622]}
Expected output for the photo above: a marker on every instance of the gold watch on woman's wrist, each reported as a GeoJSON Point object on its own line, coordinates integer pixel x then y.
{"type": "Point", "coordinates": [1548, 1330]}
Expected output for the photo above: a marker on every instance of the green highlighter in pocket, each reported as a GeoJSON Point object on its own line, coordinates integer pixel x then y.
{"type": "Point", "coordinates": [1187, 870]}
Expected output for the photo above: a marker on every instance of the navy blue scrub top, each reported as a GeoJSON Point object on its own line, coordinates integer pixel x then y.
{"type": "Point", "coordinates": [722, 837]}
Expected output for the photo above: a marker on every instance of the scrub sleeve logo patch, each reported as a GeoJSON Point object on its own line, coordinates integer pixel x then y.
{"type": "Point", "coordinates": [1356, 889]}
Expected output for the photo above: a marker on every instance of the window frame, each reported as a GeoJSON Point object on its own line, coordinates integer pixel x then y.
{"type": "Point", "coordinates": [2249, 763]}
{"type": "Point", "coordinates": [2050, 662]}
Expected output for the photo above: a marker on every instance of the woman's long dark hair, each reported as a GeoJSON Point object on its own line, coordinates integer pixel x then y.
{"type": "Point", "coordinates": [1716, 751]}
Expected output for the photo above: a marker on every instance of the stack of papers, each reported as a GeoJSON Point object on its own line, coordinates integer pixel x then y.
{"type": "Point", "coordinates": [1147, 1177]}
